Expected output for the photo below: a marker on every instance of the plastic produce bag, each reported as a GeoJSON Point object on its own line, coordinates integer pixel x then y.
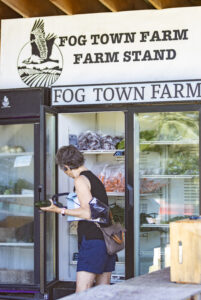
{"type": "Point", "coordinates": [89, 140]}
{"type": "Point", "coordinates": [107, 142]}
{"type": "Point", "coordinates": [151, 185]}
{"type": "Point", "coordinates": [113, 177]}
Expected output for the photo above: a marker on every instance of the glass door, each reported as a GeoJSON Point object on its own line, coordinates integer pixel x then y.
{"type": "Point", "coordinates": [100, 136]}
{"type": "Point", "coordinates": [166, 184]}
{"type": "Point", "coordinates": [48, 188]}
{"type": "Point", "coordinates": [16, 204]}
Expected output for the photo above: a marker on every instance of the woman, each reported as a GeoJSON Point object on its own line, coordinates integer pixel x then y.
{"type": "Point", "coordinates": [94, 264]}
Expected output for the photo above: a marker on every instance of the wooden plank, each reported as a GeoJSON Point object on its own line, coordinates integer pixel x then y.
{"type": "Point", "coordinates": [119, 5]}
{"type": "Point", "coordinates": [7, 13]}
{"type": "Point", "coordinates": [72, 7]}
{"type": "Point", "coordinates": [142, 4]}
{"type": "Point", "coordinates": [185, 247]}
{"type": "Point", "coordinates": [33, 8]}
{"type": "Point", "coordinates": [195, 2]}
{"type": "Point", "coordinates": [160, 4]}
{"type": "Point", "coordinates": [156, 3]}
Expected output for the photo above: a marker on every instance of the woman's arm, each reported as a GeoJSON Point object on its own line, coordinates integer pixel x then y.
{"type": "Point", "coordinates": [82, 187]}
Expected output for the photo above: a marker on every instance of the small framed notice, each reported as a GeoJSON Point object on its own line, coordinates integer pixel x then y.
{"type": "Point", "coordinates": [22, 161]}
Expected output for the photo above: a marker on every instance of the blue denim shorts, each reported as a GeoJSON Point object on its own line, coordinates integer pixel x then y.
{"type": "Point", "coordinates": [93, 257]}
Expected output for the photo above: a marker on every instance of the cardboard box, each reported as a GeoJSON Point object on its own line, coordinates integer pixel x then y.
{"type": "Point", "coordinates": [185, 249]}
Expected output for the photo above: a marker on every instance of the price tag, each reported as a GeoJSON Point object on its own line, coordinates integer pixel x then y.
{"type": "Point", "coordinates": [22, 161]}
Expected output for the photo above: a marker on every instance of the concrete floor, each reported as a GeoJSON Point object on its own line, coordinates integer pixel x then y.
{"type": "Point", "coordinates": [155, 285]}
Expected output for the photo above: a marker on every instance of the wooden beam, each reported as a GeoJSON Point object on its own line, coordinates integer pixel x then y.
{"type": "Point", "coordinates": [142, 4]}
{"type": "Point", "coordinates": [195, 2]}
{"type": "Point", "coordinates": [160, 4]}
{"type": "Point", "coordinates": [119, 5]}
{"type": "Point", "coordinates": [71, 7]}
{"type": "Point", "coordinates": [7, 13]}
{"type": "Point", "coordinates": [33, 8]}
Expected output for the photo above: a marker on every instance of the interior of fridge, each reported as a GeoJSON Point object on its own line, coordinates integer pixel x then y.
{"type": "Point", "coordinates": [166, 182]}
{"type": "Point", "coordinates": [16, 203]}
{"type": "Point", "coordinates": [101, 138]}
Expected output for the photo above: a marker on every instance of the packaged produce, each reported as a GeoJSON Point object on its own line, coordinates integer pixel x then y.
{"type": "Point", "coordinates": [90, 140]}
{"type": "Point", "coordinates": [179, 126]}
{"type": "Point", "coordinates": [121, 144]}
{"type": "Point", "coordinates": [119, 140]}
{"type": "Point", "coordinates": [22, 184]}
{"type": "Point", "coordinates": [151, 185]}
{"type": "Point", "coordinates": [182, 161]}
{"type": "Point", "coordinates": [113, 177]}
{"type": "Point", "coordinates": [148, 135]}
{"type": "Point", "coordinates": [150, 163]}
{"type": "Point", "coordinates": [171, 126]}
{"type": "Point", "coordinates": [117, 213]}
{"type": "Point", "coordinates": [107, 142]}
{"type": "Point", "coordinates": [11, 149]}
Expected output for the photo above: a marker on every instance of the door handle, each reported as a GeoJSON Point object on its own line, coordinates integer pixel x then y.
{"type": "Point", "coordinates": [40, 187]}
{"type": "Point", "coordinates": [38, 203]}
{"type": "Point", "coordinates": [130, 195]}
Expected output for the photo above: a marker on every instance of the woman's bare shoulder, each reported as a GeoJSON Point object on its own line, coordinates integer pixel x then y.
{"type": "Point", "coordinates": [81, 180]}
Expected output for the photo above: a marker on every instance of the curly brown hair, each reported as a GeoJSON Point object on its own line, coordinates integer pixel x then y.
{"type": "Point", "coordinates": [70, 156]}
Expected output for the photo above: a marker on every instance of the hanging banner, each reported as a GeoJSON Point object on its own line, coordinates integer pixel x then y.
{"type": "Point", "coordinates": [132, 46]}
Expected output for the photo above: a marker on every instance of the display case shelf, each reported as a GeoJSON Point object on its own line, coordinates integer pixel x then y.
{"type": "Point", "coordinates": [101, 151]}
{"type": "Point", "coordinates": [151, 194]}
{"type": "Point", "coordinates": [15, 154]}
{"type": "Point", "coordinates": [18, 214]}
{"type": "Point", "coordinates": [17, 245]}
{"type": "Point", "coordinates": [187, 142]}
{"type": "Point", "coordinates": [74, 262]}
{"type": "Point", "coordinates": [17, 196]}
{"type": "Point", "coordinates": [170, 176]}
{"type": "Point", "coordinates": [155, 226]}
{"type": "Point", "coordinates": [116, 194]}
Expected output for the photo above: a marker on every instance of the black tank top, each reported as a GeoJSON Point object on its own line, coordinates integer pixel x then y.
{"type": "Point", "coordinates": [87, 228]}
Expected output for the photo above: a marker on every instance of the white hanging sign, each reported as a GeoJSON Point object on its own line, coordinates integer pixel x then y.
{"type": "Point", "coordinates": [132, 46]}
{"type": "Point", "coordinates": [126, 93]}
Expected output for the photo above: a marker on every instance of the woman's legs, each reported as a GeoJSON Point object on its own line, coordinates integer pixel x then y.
{"type": "Point", "coordinates": [94, 264]}
{"type": "Point", "coordinates": [84, 281]}
{"type": "Point", "coordinates": [103, 278]}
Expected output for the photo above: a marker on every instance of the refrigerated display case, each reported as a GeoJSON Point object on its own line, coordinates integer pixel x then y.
{"type": "Point", "coordinates": [16, 203]}
{"type": "Point", "coordinates": [27, 236]}
{"type": "Point", "coordinates": [167, 180]}
{"type": "Point", "coordinates": [151, 176]}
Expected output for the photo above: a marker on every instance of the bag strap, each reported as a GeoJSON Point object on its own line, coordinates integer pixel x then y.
{"type": "Point", "coordinates": [58, 195]}
{"type": "Point", "coordinates": [63, 194]}
{"type": "Point", "coordinates": [97, 224]}
{"type": "Point", "coordinates": [111, 217]}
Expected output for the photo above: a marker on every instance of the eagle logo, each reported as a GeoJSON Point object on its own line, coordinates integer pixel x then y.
{"type": "Point", "coordinates": [40, 61]}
